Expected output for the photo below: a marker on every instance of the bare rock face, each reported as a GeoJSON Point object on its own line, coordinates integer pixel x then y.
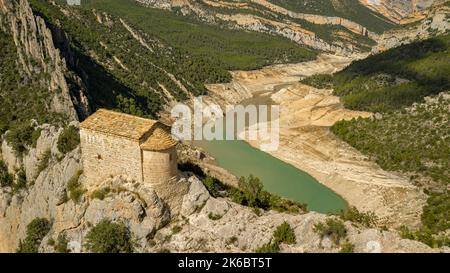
{"type": "Point", "coordinates": [397, 10]}
{"type": "Point", "coordinates": [195, 198]}
{"type": "Point", "coordinates": [435, 22]}
{"type": "Point", "coordinates": [235, 228]}
{"type": "Point", "coordinates": [37, 54]}
{"type": "Point", "coordinates": [40, 200]}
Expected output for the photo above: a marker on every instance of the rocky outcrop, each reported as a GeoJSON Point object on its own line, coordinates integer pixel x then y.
{"type": "Point", "coordinates": [236, 228]}
{"type": "Point", "coordinates": [37, 53]}
{"type": "Point", "coordinates": [398, 10]}
{"type": "Point", "coordinates": [435, 22]}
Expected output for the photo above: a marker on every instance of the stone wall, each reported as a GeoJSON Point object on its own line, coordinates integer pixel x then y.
{"type": "Point", "coordinates": [104, 156]}
{"type": "Point", "coordinates": [159, 166]}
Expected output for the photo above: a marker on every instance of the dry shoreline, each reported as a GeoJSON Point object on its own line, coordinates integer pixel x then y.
{"type": "Point", "coordinates": [307, 144]}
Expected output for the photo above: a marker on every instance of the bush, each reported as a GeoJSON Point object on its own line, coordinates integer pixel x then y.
{"type": "Point", "coordinates": [21, 181]}
{"type": "Point", "coordinates": [61, 243]}
{"type": "Point", "coordinates": [176, 229]}
{"type": "Point", "coordinates": [214, 216]}
{"type": "Point", "coordinates": [332, 228]}
{"type": "Point", "coordinates": [75, 188]}
{"type": "Point", "coordinates": [284, 234]}
{"type": "Point", "coordinates": [347, 247]}
{"type": "Point", "coordinates": [20, 137]}
{"type": "Point", "coordinates": [272, 247]}
{"type": "Point", "coordinates": [36, 231]}
{"type": "Point", "coordinates": [101, 193]}
{"type": "Point", "coordinates": [6, 179]}
{"type": "Point", "coordinates": [232, 240]}
{"type": "Point", "coordinates": [109, 237]}
{"type": "Point", "coordinates": [43, 162]}
{"type": "Point", "coordinates": [68, 139]}
{"type": "Point", "coordinates": [367, 219]}
{"type": "Point", "coordinates": [35, 136]}
{"type": "Point", "coordinates": [320, 81]}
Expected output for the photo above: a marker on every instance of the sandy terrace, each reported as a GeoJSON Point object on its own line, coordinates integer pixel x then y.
{"type": "Point", "coordinates": [307, 143]}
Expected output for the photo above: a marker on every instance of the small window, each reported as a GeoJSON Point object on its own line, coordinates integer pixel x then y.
{"type": "Point", "coordinates": [99, 156]}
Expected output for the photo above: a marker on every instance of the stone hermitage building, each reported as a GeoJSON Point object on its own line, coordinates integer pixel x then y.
{"type": "Point", "coordinates": [114, 143]}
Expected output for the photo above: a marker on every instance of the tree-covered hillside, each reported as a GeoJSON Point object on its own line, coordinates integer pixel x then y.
{"type": "Point", "coordinates": [136, 59]}
{"type": "Point", "coordinates": [350, 9]}
{"type": "Point", "coordinates": [393, 79]}
{"type": "Point", "coordinates": [230, 49]}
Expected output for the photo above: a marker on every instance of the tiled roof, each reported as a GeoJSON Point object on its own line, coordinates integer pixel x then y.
{"type": "Point", "coordinates": [120, 124]}
{"type": "Point", "coordinates": [159, 139]}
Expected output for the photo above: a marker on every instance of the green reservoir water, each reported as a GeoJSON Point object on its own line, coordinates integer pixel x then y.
{"type": "Point", "coordinates": [278, 177]}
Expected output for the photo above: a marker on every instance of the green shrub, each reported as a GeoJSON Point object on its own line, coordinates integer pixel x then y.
{"type": "Point", "coordinates": [284, 234]}
{"type": "Point", "coordinates": [68, 139]}
{"type": "Point", "coordinates": [35, 136]}
{"type": "Point", "coordinates": [61, 243]}
{"type": "Point", "coordinates": [232, 240]}
{"type": "Point", "coordinates": [332, 228]}
{"type": "Point", "coordinates": [436, 213]}
{"type": "Point", "coordinates": [176, 229]}
{"type": "Point", "coordinates": [272, 247]}
{"type": "Point", "coordinates": [44, 160]}
{"type": "Point", "coordinates": [320, 81]}
{"type": "Point", "coordinates": [75, 188]}
{"type": "Point", "coordinates": [20, 137]}
{"type": "Point", "coordinates": [367, 219]}
{"type": "Point", "coordinates": [21, 181]}
{"type": "Point", "coordinates": [6, 179]}
{"type": "Point", "coordinates": [101, 193]}
{"type": "Point", "coordinates": [214, 216]}
{"type": "Point", "coordinates": [347, 247]}
{"type": "Point", "coordinates": [36, 231]}
{"type": "Point", "coordinates": [109, 237]}
{"type": "Point", "coordinates": [435, 222]}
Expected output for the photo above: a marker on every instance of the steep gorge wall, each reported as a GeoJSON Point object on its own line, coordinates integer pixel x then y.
{"type": "Point", "coordinates": [398, 10]}
{"type": "Point", "coordinates": [37, 54]}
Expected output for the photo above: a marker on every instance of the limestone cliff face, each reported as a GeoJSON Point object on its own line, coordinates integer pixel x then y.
{"type": "Point", "coordinates": [398, 10]}
{"type": "Point", "coordinates": [436, 21]}
{"type": "Point", "coordinates": [37, 54]}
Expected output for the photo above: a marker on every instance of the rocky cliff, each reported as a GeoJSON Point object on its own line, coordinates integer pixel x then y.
{"type": "Point", "coordinates": [398, 10]}
{"type": "Point", "coordinates": [435, 21]}
{"type": "Point", "coordinates": [37, 55]}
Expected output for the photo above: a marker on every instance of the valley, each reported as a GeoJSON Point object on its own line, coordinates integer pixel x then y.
{"type": "Point", "coordinates": [363, 157]}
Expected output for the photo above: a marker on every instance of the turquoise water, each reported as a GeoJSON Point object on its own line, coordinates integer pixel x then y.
{"type": "Point", "coordinates": [278, 177]}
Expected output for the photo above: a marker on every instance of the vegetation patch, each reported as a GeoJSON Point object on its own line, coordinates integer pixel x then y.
{"type": "Point", "coordinates": [333, 229]}
{"type": "Point", "coordinates": [36, 231]}
{"type": "Point", "coordinates": [44, 160]}
{"type": "Point", "coordinates": [366, 219]}
{"type": "Point", "coordinates": [109, 237]}
{"type": "Point", "coordinates": [6, 179]}
{"type": "Point", "coordinates": [347, 247]}
{"type": "Point", "coordinates": [101, 193]}
{"type": "Point", "coordinates": [61, 244]}
{"type": "Point", "coordinates": [68, 139]}
{"type": "Point", "coordinates": [75, 188]}
{"type": "Point", "coordinates": [285, 234]}
{"type": "Point", "coordinates": [435, 222]}
{"type": "Point", "coordinates": [282, 234]}
{"type": "Point", "coordinates": [214, 216]}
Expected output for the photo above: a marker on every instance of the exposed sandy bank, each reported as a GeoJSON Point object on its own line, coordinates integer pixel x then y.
{"type": "Point", "coordinates": [307, 143]}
